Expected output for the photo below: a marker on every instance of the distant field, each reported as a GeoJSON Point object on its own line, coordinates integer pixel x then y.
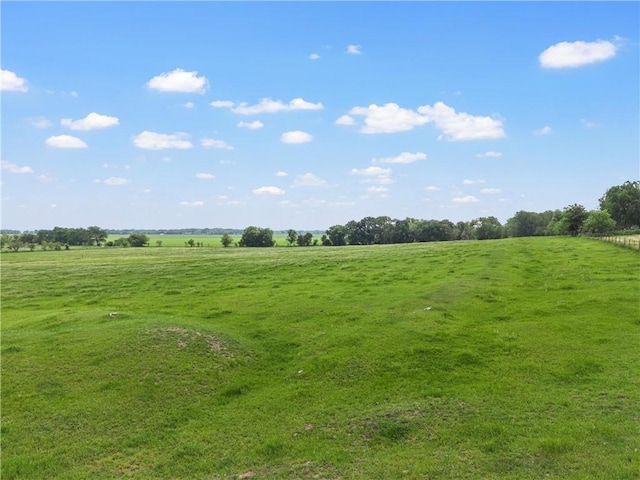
{"type": "Point", "coordinates": [507, 359]}
{"type": "Point", "coordinates": [204, 240]}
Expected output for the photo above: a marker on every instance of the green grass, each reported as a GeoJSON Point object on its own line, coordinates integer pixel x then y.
{"type": "Point", "coordinates": [509, 359]}
{"type": "Point", "coordinates": [204, 240]}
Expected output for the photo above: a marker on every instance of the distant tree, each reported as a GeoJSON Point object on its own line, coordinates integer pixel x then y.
{"type": "Point", "coordinates": [158, 243]}
{"type": "Point", "coordinates": [487, 228]}
{"type": "Point", "coordinates": [191, 242]}
{"type": "Point", "coordinates": [97, 235]}
{"type": "Point", "coordinates": [226, 240]}
{"type": "Point", "coordinates": [304, 240]}
{"type": "Point", "coordinates": [257, 237]}
{"type": "Point", "coordinates": [599, 222]}
{"type": "Point", "coordinates": [292, 236]}
{"type": "Point", "coordinates": [337, 235]}
{"type": "Point", "coordinates": [121, 242]}
{"type": "Point", "coordinates": [571, 220]}
{"type": "Point", "coordinates": [138, 240]}
{"type": "Point", "coordinates": [325, 241]}
{"type": "Point", "coordinates": [623, 204]}
{"type": "Point", "coordinates": [15, 243]}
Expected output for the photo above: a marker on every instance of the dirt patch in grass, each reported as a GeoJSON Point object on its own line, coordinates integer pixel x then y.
{"type": "Point", "coordinates": [184, 337]}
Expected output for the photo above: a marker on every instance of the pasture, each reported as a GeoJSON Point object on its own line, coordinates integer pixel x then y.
{"type": "Point", "coordinates": [505, 359]}
{"type": "Point", "coordinates": [203, 240]}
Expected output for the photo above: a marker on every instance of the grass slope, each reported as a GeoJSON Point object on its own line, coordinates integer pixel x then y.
{"type": "Point", "coordinates": [505, 359]}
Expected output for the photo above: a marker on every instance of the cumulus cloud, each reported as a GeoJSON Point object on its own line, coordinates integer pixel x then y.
{"type": "Point", "coordinates": [13, 168]}
{"type": "Point", "coordinates": [197, 203]}
{"type": "Point", "coordinates": [267, 191]}
{"type": "Point", "coordinates": [222, 104]}
{"type": "Point", "coordinates": [281, 174]}
{"type": "Point", "coordinates": [178, 81]}
{"type": "Point", "coordinates": [577, 54]}
{"type": "Point", "coordinates": [40, 122]}
{"type": "Point", "coordinates": [116, 181]}
{"type": "Point", "coordinates": [345, 120]}
{"type": "Point", "coordinates": [490, 191]}
{"type": "Point", "coordinates": [211, 143]}
{"type": "Point", "coordinates": [309, 180]}
{"type": "Point", "coordinates": [465, 199]}
{"type": "Point", "coordinates": [205, 176]}
{"type": "Point", "coordinates": [546, 130]}
{"type": "Point", "coordinates": [404, 157]}
{"type": "Point", "coordinates": [296, 136]}
{"type": "Point", "coordinates": [10, 82]}
{"type": "Point", "coordinates": [267, 105]}
{"type": "Point", "coordinates": [255, 125]}
{"type": "Point", "coordinates": [161, 141]}
{"type": "Point", "coordinates": [377, 175]}
{"type": "Point", "coordinates": [388, 118]}
{"type": "Point", "coordinates": [189, 105]}
{"type": "Point", "coordinates": [314, 56]}
{"type": "Point", "coordinates": [461, 126]}
{"type": "Point", "coordinates": [93, 121]}
{"type": "Point", "coordinates": [65, 141]}
{"type": "Point", "coordinates": [353, 50]}
{"type": "Point", "coordinates": [489, 155]}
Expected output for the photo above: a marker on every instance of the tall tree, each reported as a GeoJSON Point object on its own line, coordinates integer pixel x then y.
{"type": "Point", "coordinates": [599, 222]}
{"type": "Point", "coordinates": [623, 204]}
{"type": "Point", "coordinates": [257, 237]}
{"type": "Point", "coordinates": [292, 236]}
{"type": "Point", "coordinates": [573, 216]}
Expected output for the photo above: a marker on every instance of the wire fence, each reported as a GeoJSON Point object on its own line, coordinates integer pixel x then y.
{"type": "Point", "coordinates": [629, 241]}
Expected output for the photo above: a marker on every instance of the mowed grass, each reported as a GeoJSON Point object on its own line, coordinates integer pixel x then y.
{"type": "Point", "coordinates": [203, 240]}
{"type": "Point", "coordinates": [508, 359]}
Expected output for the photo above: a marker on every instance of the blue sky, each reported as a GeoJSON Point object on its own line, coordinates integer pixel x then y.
{"type": "Point", "coordinates": [307, 115]}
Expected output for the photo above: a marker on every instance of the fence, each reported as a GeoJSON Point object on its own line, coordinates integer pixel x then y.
{"type": "Point", "coordinates": [628, 241]}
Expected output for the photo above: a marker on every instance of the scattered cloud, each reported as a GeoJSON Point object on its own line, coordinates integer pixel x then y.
{"type": "Point", "coordinates": [211, 143]}
{"type": "Point", "coordinates": [65, 141]}
{"type": "Point", "coordinates": [255, 125]}
{"type": "Point", "coordinates": [197, 203]}
{"type": "Point", "coordinates": [267, 105]}
{"type": "Point", "coordinates": [388, 118]}
{"type": "Point", "coordinates": [353, 50]}
{"type": "Point", "coordinates": [432, 188]}
{"type": "Point", "coordinates": [490, 191]}
{"type": "Point", "coordinates": [45, 178]}
{"type": "Point", "coordinates": [577, 54]}
{"type": "Point", "coordinates": [189, 105]}
{"type": "Point", "coordinates": [309, 180]}
{"type": "Point", "coordinates": [40, 122]}
{"type": "Point", "coordinates": [13, 168]}
{"type": "Point", "coordinates": [314, 56]}
{"type": "Point", "coordinates": [178, 81]}
{"type": "Point", "coordinates": [404, 157]}
{"type": "Point", "coordinates": [376, 175]}
{"type": "Point", "coordinates": [377, 189]}
{"type": "Point", "coordinates": [472, 182]}
{"type": "Point", "coordinates": [588, 123]}
{"type": "Point", "coordinates": [296, 136]}
{"type": "Point", "coordinates": [268, 191]}
{"type": "Point", "coordinates": [345, 120]}
{"type": "Point", "coordinates": [546, 130]}
{"type": "Point", "coordinates": [465, 199]}
{"type": "Point", "coordinates": [281, 174]}
{"type": "Point", "coordinates": [205, 176]}
{"type": "Point", "coordinates": [461, 126]}
{"type": "Point", "coordinates": [161, 141]}
{"type": "Point", "coordinates": [116, 181]}
{"type": "Point", "coordinates": [222, 104]}
{"type": "Point", "coordinates": [93, 121]}
{"type": "Point", "coordinates": [10, 82]}
{"type": "Point", "coordinates": [489, 155]}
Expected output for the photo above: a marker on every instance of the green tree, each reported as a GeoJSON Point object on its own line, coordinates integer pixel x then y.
{"type": "Point", "coordinates": [304, 240]}
{"type": "Point", "coordinates": [292, 236]}
{"type": "Point", "coordinates": [487, 228]}
{"type": "Point", "coordinates": [226, 240]}
{"type": "Point", "coordinates": [158, 243]}
{"type": "Point", "coordinates": [15, 243]}
{"type": "Point", "coordinates": [337, 235]}
{"type": "Point", "coordinates": [138, 240]}
{"type": "Point", "coordinates": [623, 204]}
{"type": "Point", "coordinates": [257, 237]}
{"type": "Point", "coordinates": [599, 222]}
{"type": "Point", "coordinates": [191, 242]}
{"type": "Point", "coordinates": [571, 220]}
{"type": "Point", "coordinates": [97, 235]}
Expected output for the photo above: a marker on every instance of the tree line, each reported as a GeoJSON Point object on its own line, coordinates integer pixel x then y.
{"type": "Point", "coordinates": [619, 210]}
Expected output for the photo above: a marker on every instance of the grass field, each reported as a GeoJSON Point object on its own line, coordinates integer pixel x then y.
{"type": "Point", "coordinates": [507, 359]}
{"type": "Point", "coordinates": [204, 240]}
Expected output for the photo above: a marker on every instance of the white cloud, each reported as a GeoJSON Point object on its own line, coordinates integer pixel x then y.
{"type": "Point", "coordinates": [197, 203]}
{"type": "Point", "coordinates": [376, 189]}
{"type": "Point", "coordinates": [296, 136]}
{"type": "Point", "coordinates": [178, 81]}
{"type": "Point", "coordinates": [222, 104]}
{"type": "Point", "coordinates": [546, 130]}
{"type": "Point", "coordinates": [268, 191]}
{"type": "Point", "coordinates": [353, 50]}
{"type": "Point", "coordinates": [376, 175]}
{"type": "Point", "coordinates": [205, 176]}
{"type": "Point", "coordinates": [461, 126]}
{"type": "Point", "coordinates": [13, 168]}
{"type": "Point", "coordinates": [345, 120]}
{"type": "Point", "coordinates": [588, 123]}
{"type": "Point", "coordinates": [432, 188]}
{"type": "Point", "coordinates": [314, 56]}
{"type": "Point", "coordinates": [267, 105]}
{"type": "Point", "coordinates": [577, 54]}
{"type": "Point", "coordinates": [309, 180]}
{"type": "Point", "coordinates": [490, 191]}
{"type": "Point", "coordinates": [116, 181]}
{"type": "Point", "coordinates": [93, 121]}
{"type": "Point", "coordinates": [45, 178]}
{"type": "Point", "coordinates": [466, 199]}
{"type": "Point", "coordinates": [472, 182]}
{"type": "Point", "coordinates": [161, 141]}
{"type": "Point", "coordinates": [489, 155]}
{"type": "Point", "coordinates": [65, 141]}
{"type": "Point", "coordinates": [255, 125]}
{"type": "Point", "coordinates": [189, 105]}
{"type": "Point", "coordinates": [10, 82]}
{"type": "Point", "coordinates": [281, 174]}
{"type": "Point", "coordinates": [40, 122]}
{"type": "Point", "coordinates": [388, 118]}
{"type": "Point", "coordinates": [211, 143]}
{"type": "Point", "coordinates": [404, 157]}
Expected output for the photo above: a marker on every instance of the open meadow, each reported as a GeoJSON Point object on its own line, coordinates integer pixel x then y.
{"type": "Point", "coordinates": [498, 359]}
